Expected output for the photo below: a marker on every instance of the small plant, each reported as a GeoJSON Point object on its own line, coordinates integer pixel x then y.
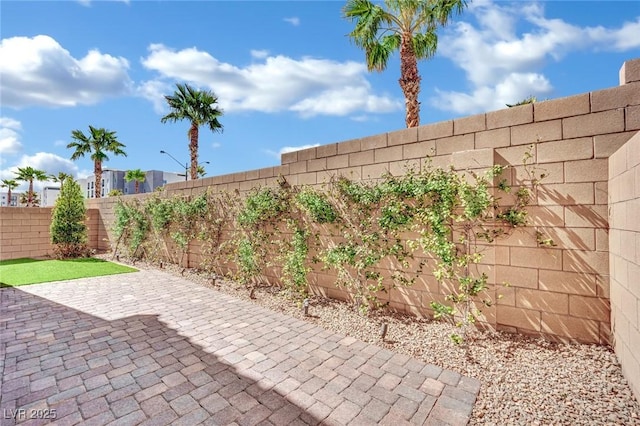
{"type": "Point", "coordinates": [514, 216]}
{"type": "Point", "coordinates": [68, 229]}
{"type": "Point", "coordinates": [295, 263]}
{"type": "Point", "coordinates": [544, 242]}
{"type": "Point", "coordinates": [316, 206]}
{"type": "Point", "coordinates": [247, 259]}
{"type": "Point", "coordinates": [260, 206]}
{"type": "Point", "coordinates": [528, 100]}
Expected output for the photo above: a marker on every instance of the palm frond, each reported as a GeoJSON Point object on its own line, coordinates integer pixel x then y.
{"type": "Point", "coordinates": [196, 106]}
{"type": "Point", "coordinates": [378, 52]}
{"type": "Point", "coordinates": [9, 183]}
{"type": "Point", "coordinates": [369, 19]}
{"type": "Point", "coordinates": [425, 44]}
{"type": "Point", "coordinates": [136, 174]}
{"type": "Point", "coordinates": [29, 174]}
{"type": "Point", "coordinates": [444, 9]}
{"type": "Point", "coordinates": [98, 143]}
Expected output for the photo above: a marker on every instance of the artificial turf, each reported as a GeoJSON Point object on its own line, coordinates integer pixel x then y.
{"type": "Point", "coordinates": [26, 271]}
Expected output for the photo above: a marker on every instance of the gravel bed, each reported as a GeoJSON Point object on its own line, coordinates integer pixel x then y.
{"type": "Point", "coordinates": [524, 380]}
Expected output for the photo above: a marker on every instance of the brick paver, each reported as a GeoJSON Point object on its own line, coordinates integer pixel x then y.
{"type": "Point", "coordinates": [151, 348]}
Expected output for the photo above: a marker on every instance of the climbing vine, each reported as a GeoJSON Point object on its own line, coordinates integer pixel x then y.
{"type": "Point", "coordinates": [216, 250]}
{"type": "Point", "coordinates": [255, 233]}
{"type": "Point", "coordinates": [375, 236]}
{"type": "Point", "coordinates": [131, 226]}
{"type": "Point", "coordinates": [369, 220]}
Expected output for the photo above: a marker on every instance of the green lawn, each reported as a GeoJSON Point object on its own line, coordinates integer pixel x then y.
{"type": "Point", "coordinates": [30, 271]}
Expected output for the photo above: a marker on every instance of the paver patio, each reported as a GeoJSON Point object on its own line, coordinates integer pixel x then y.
{"type": "Point", "coordinates": [150, 348]}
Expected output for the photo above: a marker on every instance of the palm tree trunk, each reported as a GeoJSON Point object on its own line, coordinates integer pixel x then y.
{"type": "Point", "coordinates": [193, 148]}
{"type": "Point", "coordinates": [97, 171]}
{"type": "Point", "coordinates": [136, 184]}
{"type": "Point", "coordinates": [9, 196]}
{"type": "Point", "coordinates": [30, 194]}
{"type": "Point", "coordinates": [410, 81]}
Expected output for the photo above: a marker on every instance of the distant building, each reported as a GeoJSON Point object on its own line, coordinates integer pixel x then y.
{"type": "Point", "coordinates": [15, 199]}
{"type": "Point", "coordinates": [49, 195]}
{"type": "Point", "coordinates": [114, 180]}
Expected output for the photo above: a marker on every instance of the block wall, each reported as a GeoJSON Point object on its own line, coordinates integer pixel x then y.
{"type": "Point", "coordinates": [24, 231]}
{"type": "Point", "coordinates": [624, 255]}
{"type": "Point", "coordinates": [560, 292]}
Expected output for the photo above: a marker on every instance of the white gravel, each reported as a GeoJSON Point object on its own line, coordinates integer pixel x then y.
{"type": "Point", "coordinates": [524, 380]}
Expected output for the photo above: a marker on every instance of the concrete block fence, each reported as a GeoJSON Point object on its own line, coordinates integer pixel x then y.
{"type": "Point", "coordinates": [24, 231]}
{"type": "Point", "coordinates": [624, 257]}
{"type": "Point", "coordinates": [572, 291]}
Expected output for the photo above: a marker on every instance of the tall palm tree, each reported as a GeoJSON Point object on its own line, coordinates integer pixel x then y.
{"type": "Point", "coordinates": [29, 174]}
{"type": "Point", "coordinates": [137, 175]}
{"type": "Point", "coordinates": [10, 184]}
{"type": "Point", "coordinates": [408, 25]}
{"type": "Point", "coordinates": [97, 143]}
{"type": "Point", "coordinates": [199, 107]}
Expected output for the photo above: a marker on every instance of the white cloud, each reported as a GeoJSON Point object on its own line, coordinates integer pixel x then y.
{"type": "Point", "coordinates": [625, 38]}
{"type": "Point", "coordinates": [60, 142]}
{"type": "Point", "coordinates": [50, 163]}
{"type": "Point", "coordinates": [287, 149]}
{"type": "Point", "coordinates": [216, 145]}
{"type": "Point", "coordinates": [308, 86]}
{"type": "Point", "coordinates": [343, 101]}
{"type": "Point", "coordinates": [38, 71]}
{"type": "Point", "coordinates": [9, 136]}
{"type": "Point", "coordinates": [10, 123]}
{"type": "Point", "coordinates": [154, 91]}
{"type": "Point", "coordinates": [87, 3]}
{"type": "Point", "coordinates": [514, 88]}
{"type": "Point", "coordinates": [84, 173]}
{"type": "Point", "coordinates": [294, 20]}
{"type": "Point", "coordinates": [259, 54]}
{"type": "Point", "coordinates": [361, 118]}
{"type": "Point", "coordinates": [505, 67]}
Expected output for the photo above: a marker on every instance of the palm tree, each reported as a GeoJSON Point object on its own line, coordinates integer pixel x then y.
{"type": "Point", "coordinates": [10, 184]}
{"type": "Point", "coordinates": [60, 177]}
{"type": "Point", "coordinates": [199, 107]}
{"type": "Point", "coordinates": [201, 171]}
{"type": "Point", "coordinates": [408, 25]}
{"type": "Point", "coordinates": [98, 143]}
{"type": "Point", "coordinates": [29, 199]}
{"type": "Point", "coordinates": [29, 174]}
{"type": "Point", "coordinates": [136, 175]}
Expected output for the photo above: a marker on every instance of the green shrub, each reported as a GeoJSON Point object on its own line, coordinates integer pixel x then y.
{"type": "Point", "coordinates": [68, 229]}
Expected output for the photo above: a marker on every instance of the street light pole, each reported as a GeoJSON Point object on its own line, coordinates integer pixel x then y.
{"type": "Point", "coordinates": [186, 165]}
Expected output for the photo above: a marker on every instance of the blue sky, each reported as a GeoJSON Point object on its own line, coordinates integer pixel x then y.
{"type": "Point", "coordinates": [285, 73]}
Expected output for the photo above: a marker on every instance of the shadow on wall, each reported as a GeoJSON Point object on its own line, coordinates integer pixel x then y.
{"type": "Point", "coordinates": [102, 235]}
{"type": "Point", "coordinates": [134, 368]}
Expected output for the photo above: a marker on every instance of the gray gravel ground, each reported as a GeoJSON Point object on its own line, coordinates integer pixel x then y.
{"type": "Point", "coordinates": [525, 381]}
